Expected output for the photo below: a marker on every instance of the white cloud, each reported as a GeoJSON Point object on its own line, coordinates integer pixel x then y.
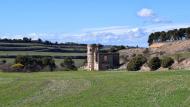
{"type": "Point", "coordinates": [149, 16]}
{"type": "Point", "coordinates": [118, 35]}
{"type": "Point", "coordinates": [145, 12]}
{"type": "Point", "coordinates": [160, 20]}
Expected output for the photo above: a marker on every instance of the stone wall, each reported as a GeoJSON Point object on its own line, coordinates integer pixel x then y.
{"type": "Point", "coordinates": [100, 61]}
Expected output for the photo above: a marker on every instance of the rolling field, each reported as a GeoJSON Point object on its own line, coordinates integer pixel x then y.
{"type": "Point", "coordinates": [40, 53]}
{"type": "Point", "coordinates": [95, 89]}
{"type": "Point", "coordinates": [8, 52]}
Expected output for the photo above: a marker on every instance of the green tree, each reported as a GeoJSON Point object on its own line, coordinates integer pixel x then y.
{"type": "Point", "coordinates": [171, 35]}
{"type": "Point", "coordinates": [40, 40]}
{"type": "Point", "coordinates": [68, 64]}
{"type": "Point", "coordinates": [182, 33]}
{"type": "Point", "coordinates": [188, 33]}
{"type": "Point", "coordinates": [166, 62]}
{"type": "Point", "coordinates": [36, 63]}
{"type": "Point", "coordinates": [136, 63]}
{"type": "Point", "coordinates": [163, 36]}
{"type": "Point", "coordinates": [151, 39]}
{"type": "Point", "coordinates": [157, 36]}
{"type": "Point", "coordinates": [154, 63]}
{"type": "Point", "coordinates": [52, 65]}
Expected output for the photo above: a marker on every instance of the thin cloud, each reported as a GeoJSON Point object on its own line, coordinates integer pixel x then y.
{"type": "Point", "coordinates": [145, 12]}
{"type": "Point", "coordinates": [149, 16]}
{"type": "Point", "coordinates": [114, 35]}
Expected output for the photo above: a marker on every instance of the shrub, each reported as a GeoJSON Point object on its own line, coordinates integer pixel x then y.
{"type": "Point", "coordinates": [68, 64]}
{"type": "Point", "coordinates": [167, 62]}
{"type": "Point", "coordinates": [154, 63]}
{"type": "Point", "coordinates": [48, 61]}
{"type": "Point", "coordinates": [136, 63]}
{"type": "Point", "coordinates": [3, 61]}
{"type": "Point", "coordinates": [178, 58]}
{"type": "Point", "coordinates": [17, 67]}
{"type": "Point", "coordinates": [36, 63]}
{"type": "Point", "coordinates": [33, 67]}
{"type": "Point", "coordinates": [52, 65]}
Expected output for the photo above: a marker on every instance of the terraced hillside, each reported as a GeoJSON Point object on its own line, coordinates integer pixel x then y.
{"type": "Point", "coordinates": [95, 89]}
{"type": "Point", "coordinates": [9, 51]}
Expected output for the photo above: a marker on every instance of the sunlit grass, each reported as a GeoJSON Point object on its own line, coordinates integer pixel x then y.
{"type": "Point", "coordinates": [95, 89]}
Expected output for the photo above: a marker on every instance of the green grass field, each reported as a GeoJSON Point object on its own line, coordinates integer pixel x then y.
{"type": "Point", "coordinates": [78, 62]}
{"type": "Point", "coordinates": [40, 53]}
{"type": "Point", "coordinates": [95, 89]}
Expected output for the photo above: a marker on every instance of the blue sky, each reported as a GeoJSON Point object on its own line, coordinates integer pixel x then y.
{"type": "Point", "coordinates": [127, 22]}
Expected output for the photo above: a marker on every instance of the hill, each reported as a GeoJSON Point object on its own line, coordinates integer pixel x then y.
{"type": "Point", "coordinates": [163, 48]}
{"type": "Point", "coordinates": [95, 89]}
{"type": "Point", "coordinates": [10, 48]}
{"type": "Point", "coordinates": [178, 50]}
{"type": "Point", "coordinates": [172, 47]}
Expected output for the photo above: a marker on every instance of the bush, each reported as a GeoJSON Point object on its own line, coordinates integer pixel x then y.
{"type": "Point", "coordinates": [136, 63]}
{"type": "Point", "coordinates": [34, 67]}
{"type": "Point", "coordinates": [179, 58]}
{"type": "Point", "coordinates": [154, 63]}
{"type": "Point", "coordinates": [52, 65]}
{"type": "Point", "coordinates": [48, 61]}
{"type": "Point", "coordinates": [68, 64]}
{"type": "Point", "coordinates": [3, 61]}
{"type": "Point", "coordinates": [167, 62]}
{"type": "Point", "coordinates": [36, 63]}
{"type": "Point", "coordinates": [17, 67]}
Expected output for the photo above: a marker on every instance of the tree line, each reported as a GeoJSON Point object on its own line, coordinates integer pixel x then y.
{"type": "Point", "coordinates": [171, 35]}
{"type": "Point", "coordinates": [29, 40]}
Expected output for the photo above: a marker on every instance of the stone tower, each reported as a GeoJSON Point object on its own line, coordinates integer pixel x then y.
{"type": "Point", "coordinates": [92, 57]}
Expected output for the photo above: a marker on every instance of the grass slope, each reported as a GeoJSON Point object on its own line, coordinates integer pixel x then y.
{"type": "Point", "coordinates": [95, 89]}
{"type": "Point", "coordinates": [40, 53]}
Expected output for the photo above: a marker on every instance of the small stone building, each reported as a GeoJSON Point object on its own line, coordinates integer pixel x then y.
{"type": "Point", "coordinates": [97, 60]}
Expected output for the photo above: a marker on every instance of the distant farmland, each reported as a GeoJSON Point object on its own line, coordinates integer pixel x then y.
{"type": "Point", "coordinates": [9, 51]}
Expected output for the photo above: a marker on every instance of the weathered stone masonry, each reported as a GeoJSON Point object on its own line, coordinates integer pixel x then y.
{"type": "Point", "coordinates": [97, 60]}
